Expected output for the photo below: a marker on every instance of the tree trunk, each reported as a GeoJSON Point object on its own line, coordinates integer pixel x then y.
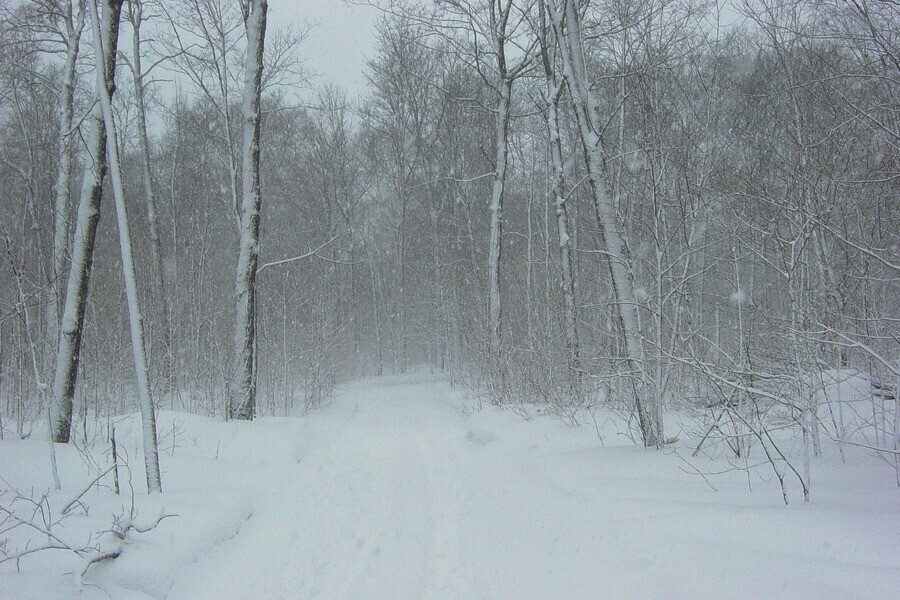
{"type": "Point", "coordinates": [72, 320]}
{"type": "Point", "coordinates": [563, 221]}
{"type": "Point", "coordinates": [74, 27]}
{"type": "Point", "coordinates": [567, 270]}
{"type": "Point", "coordinates": [112, 10]}
{"type": "Point", "coordinates": [495, 245]}
{"type": "Point", "coordinates": [567, 27]}
{"type": "Point", "coordinates": [242, 388]}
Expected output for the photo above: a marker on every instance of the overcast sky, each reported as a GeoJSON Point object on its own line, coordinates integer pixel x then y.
{"type": "Point", "coordinates": [340, 42]}
{"type": "Point", "coordinates": [342, 39]}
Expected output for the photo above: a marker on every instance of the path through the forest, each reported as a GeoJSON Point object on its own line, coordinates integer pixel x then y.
{"type": "Point", "coordinates": [396, 491]}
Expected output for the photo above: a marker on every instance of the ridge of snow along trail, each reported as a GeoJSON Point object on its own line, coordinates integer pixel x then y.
{"type": "Point", "coordinates": [399, 489]}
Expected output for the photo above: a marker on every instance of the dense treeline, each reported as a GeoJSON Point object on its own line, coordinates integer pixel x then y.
{"type": "Point", "coordinates": [651, 204]}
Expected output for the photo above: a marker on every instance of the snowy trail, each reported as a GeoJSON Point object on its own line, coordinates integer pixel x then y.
{"type": "Point", "coordinates": [396, 491]}
{"type": "Point", "coordinates": [369, 509]}
{"type": "Point", "coordinates": [393, 492]}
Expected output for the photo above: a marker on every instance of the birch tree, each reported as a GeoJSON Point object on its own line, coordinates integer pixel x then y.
{"type": "Point", "coordinates": [102, 32]}
{"type": "Point", "coordinates": [242, 387]}
{"type": "Point", "coordinates": [566, 16]}
{"type": "Point", "coordinates": [72, 320]}
{"type": "Point", "coordinates": [552, 97]}
{"type": "Point", "coordinates": [72, 24]}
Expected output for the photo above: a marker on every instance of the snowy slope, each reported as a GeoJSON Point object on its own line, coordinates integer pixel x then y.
{"type": "Point", "coordinates": [397, 490]}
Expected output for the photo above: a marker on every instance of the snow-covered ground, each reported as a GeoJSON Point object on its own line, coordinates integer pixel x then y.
{"type": "Point", "coordinates": [398, 489]}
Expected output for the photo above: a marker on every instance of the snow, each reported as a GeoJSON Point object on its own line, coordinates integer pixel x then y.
{"type": "Point", "coordinates": [738, 296]}
{"type": "Point", "coordinates": [842, 385]}
{"type": "Point", "coordinates": [403, 488]}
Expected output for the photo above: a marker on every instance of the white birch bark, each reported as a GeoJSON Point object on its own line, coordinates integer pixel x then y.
{"type": "Point", "coordinates": [74, 24]}
{"type": "Point", "coordinates": [553, 93]}
{"type": "Point", "coordinates": [72, 320]}
{"type": "Point", "coordinates": [112, 10]}
{"type": "Point", "coordinates": [242, 387]}
{"type": "Point", "coordinates": [566, 17]}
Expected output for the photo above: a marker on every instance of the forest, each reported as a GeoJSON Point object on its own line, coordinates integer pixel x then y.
{"type": "Point", "coordinates": [676, 218]}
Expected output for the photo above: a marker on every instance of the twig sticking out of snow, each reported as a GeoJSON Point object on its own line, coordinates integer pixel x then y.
{"type": "Point", "coordinates": [100, 546]}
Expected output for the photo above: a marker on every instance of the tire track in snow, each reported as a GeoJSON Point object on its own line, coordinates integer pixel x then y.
{"type": "Point", "coordinates": [368, 508]}
{"type": "Point", "coordinates": [450, 577]}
